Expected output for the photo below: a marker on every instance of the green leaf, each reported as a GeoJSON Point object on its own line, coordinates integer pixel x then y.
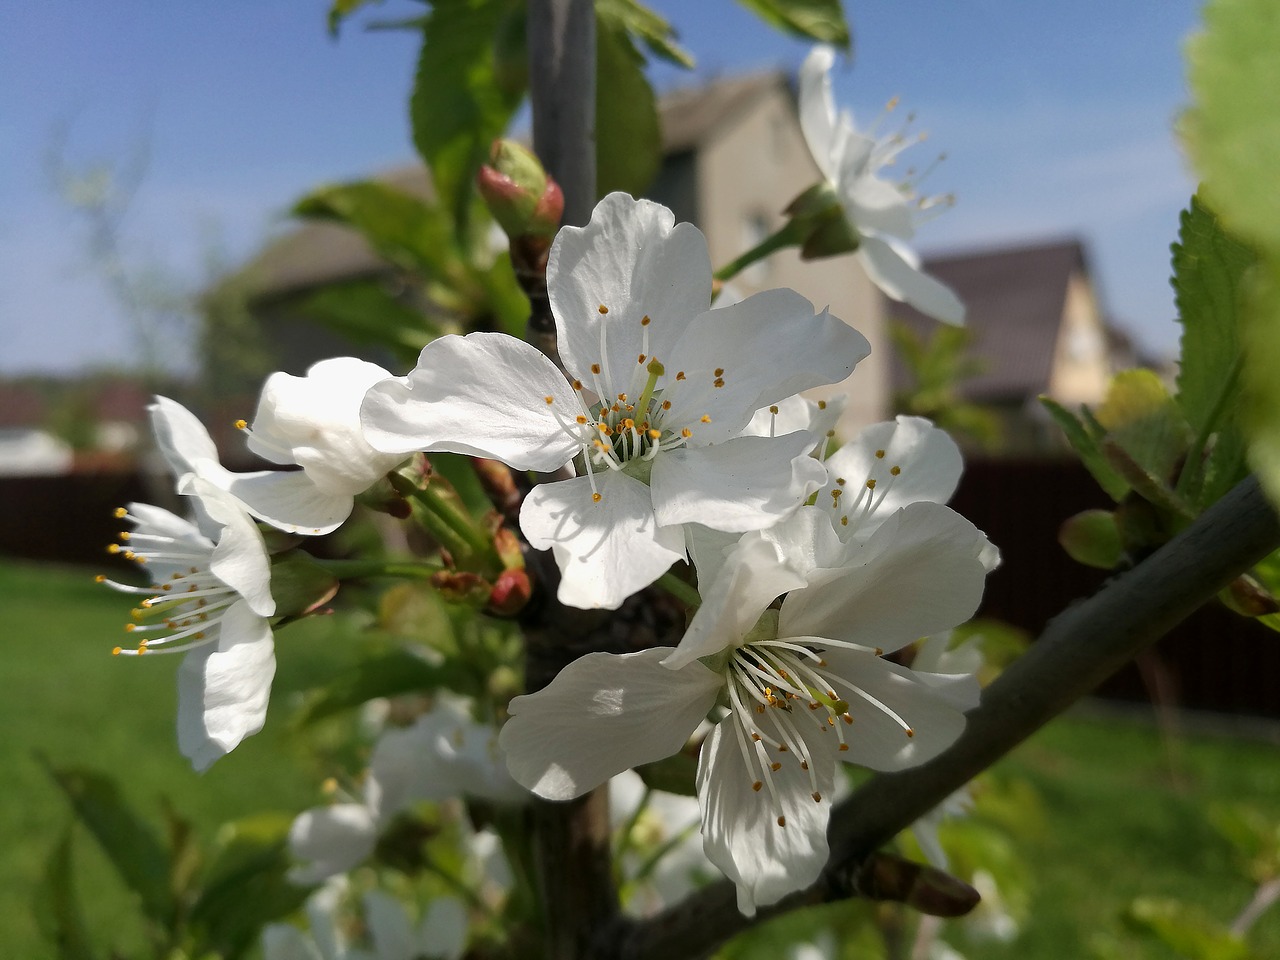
{"type": "Point", "coordinates": [57, 908]}
{"type": "Point", "coordinates": [133, 849]}
{"type": "Point", "coordinates": [365, 313]}
{"type": "Point", "coordinates": [628, 140]}
{"type": "Point", "coordinates": [1208, 272]}
{"type": "Point", "coordinates": [458, 106]}
{"type": "Point", "coordinates": [1233, 129]}
{"type": "Point", "coordinates": [674, 774]}
{"type": "Point", "coordinates": [408, 231]}
{"type": "Point", "coordinates": [1092, 538]}
{"type": "Point", "coordinates": [396, 672]}
{"type": "Point", "coordinates": [1186, 930]}
{"type": "Point", "coordinates": [815, 19]}
{"type": "Point", "coordinates": [1087, 448]}
{"type": "Point", "coordinates": [648, 26]}
{"type": "Point", "coordinates": [246, 886]}
{"type": "Point", "coordinates": [1260, 343]}
{"type": "Point", "coordinates": [1143, 420]}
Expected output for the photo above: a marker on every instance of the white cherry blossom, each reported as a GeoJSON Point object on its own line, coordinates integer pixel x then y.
{"type": "Point", "coordinates": [209, 598]}
{"type": "Point", "coordinates": [797, 688]}
{"type": "Point", "coordinates": [660, 390]}
{"type": "Point", "coordinates": [881, 213]}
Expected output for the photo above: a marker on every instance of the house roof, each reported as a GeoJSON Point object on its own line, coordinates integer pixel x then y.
{"type": "Point", "coordinates": [319, 252]}
{"type": "Point", "coordinates": [1015, 298]}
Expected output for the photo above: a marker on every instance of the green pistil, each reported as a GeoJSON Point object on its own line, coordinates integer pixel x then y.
{"type": "Point", "coordinates": [656, 370]}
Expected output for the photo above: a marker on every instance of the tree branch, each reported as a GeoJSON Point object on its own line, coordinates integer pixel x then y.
{"type": "Point", "coordinates": [1079, 649]}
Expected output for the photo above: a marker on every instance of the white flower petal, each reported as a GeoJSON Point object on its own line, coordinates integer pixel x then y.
{"type": "Point", "coordinates": [606, 550]}
{"type": "Point", "coordinates": [807, 541]}
{"type": "Point", "coordinates": [918, 574]}
{"type": "Point", "coordinates": [874, 205]}
{"type": "Point", "coordinates": [602, 714]}
{"type": "Point", "coordinates": [753, 575]}
{"type": "Point", "coordinates": [289, 501]}
{"type": "Point", "coordinates": [181, 437]}
{"type": "Point", "coordinates": [896, 271]}
{"type": "Point", "coordinates": [280, 941]}
{"type": "Point", "coordinates": [223, 687]}
{"type": "Point", "coordinates": [389, 927]}
{"type": "Point", "coordinates": [817, 108]}
{"type": "Point", "coordinates": [708, 550]}
{"type": "Point", "coordinates": [767, 347]}
{"type": "Point", "coordinates": [483, 395]}
{"type": "Point", "coordinates": [876, 739]}
{"type": "Point", "coordinates": [635, 261]}
{"type": "Point", "coordinates": [331, 840]}
{"type": "Point", "coordinates": [797, 413]}
{"type": "Point", "coordinates": [240, 558]}
{"type": "Point", "coordinates": [740, 830]}
{"type": "Point", "coordinates": [928, 461]}
{"type": "Point", "coordinates": [746, 483]}
{"type": "Point", "coordinates": [443, 931]}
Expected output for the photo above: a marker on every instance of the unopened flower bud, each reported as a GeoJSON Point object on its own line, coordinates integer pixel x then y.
{"type": "Point", "coordinates": [510, 593]}
{"type": "Point", "coordinates": [519, 194]}
{"type": "Point", "coordinates": [509, 548]}
{"type": "Point", "coordinates": [461, 587]}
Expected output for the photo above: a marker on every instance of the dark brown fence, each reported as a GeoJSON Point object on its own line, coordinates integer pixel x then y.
{"type": "Point", "coordinates": [1214, 661]}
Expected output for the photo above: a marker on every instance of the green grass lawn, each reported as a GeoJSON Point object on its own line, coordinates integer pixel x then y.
{"type": "Point", "coordinates": [1113, 823]}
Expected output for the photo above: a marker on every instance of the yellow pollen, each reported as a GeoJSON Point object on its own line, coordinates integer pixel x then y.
{"type": "Point", "coordinates": [782, 748]}
{"type": "Point", "coordinates": [130, 627]}
{"type": "Point", "coordinates": [603, 309]}
{"type": "Point", "coordinates": [595, 368]}
{"type": "Point", "coordinates": [871, 484]}
{"type": "Point", "coordinates": [706, 418]}
{"type": "Point", "coordinates": [804, 764]}
{"type": "Point", "coordinates": [241, 424]}
{"type": "Point", "coordinates": [879, 454]}
{"type": "Point", "coordinates": [581, 419]}
{"type": "Point", "coordinates": [121, 513]}
{"type": "Point", "coordinates": [680, 375]}
{"type": "Point", "coordinates": [115, 651]}
{"type": "Point", "coordinates": [894, 471]}
{"type": "Point", "coordinates": [666, 404]}
{"type": "Point", "coordinates": [846, 718]}
{"type": "Point", "coordinates": [822, 404]}
{"type": "Point", "coordinates": [910, 732]}
{"type": "Point", "coordinates": [817, 797]}
{"type": "Point", "coordinates": [686, 433]}
{"type": "Point", "coordinates": [628, 424]}
{"type": "Point", "coordinates": [755, 786]}
{"type": "Point", "coordinates": [640, 359]}
{"type": "Point", "coordinates": [775, 767]}
{"type": "Point", "coordinates": [622, 397]}
{"type": "Point", "coordinates": [755, 736]}
{"type": "Point", "coordinates": [831, 721]}
{"type": "Point", "coordinates": [99, 579]}
{"type": "Point", "coordinates": [841, 481]}
{"type": "Point", "coordinates": [113, 548]}
{"type": "Point", "coordinates": [596, 498]}
{"type": "Point", "coordinates": [577, 384]}
{"type": "Point", "coordinates": [142, 648]}
{"type": "Point", "coordinates": [654, 434]}
{"type": "Point", "coordinates": [844, 747]}
{"type": "Point", "coordinates": [844, 521]}
{"type": "Point", "coordinates": [645, 321]}
{"type": "Point", "coordinates": [719, 371]}
{"type": "Point", "coordinates": [836, 494]}
{"type": "Point", "coordinates": [814, 704]}
{"type": "Point", "coordinates": [550, 400]}
{"type": "Point", "coordinates": [782, 821]}
{"type": "Point", "coordinates": [719, 382]}
{"type": "Point", "coordinates": [773, 410]}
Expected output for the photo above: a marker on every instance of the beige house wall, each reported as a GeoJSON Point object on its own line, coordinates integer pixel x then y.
{"type": "Point", "coordinates": [1081, 362]}
{"type": "Point", "coordinates": [748, 169]}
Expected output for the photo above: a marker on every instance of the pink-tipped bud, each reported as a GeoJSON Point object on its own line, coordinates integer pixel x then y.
{"type": "Point", "coordinates": [510, 593]}
{"type": "Point", "coordinates": [519, 194]}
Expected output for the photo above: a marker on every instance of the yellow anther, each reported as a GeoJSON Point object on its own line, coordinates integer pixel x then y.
{"type": "Point", "coordinates": [719, 382]}
{"type": "Point", "coordinates": [755, 786]}
{"type": "Point", "coordinates": [910, 732]}
{"type": "Point", "coordinates": [640, 359]}
{"type": "Point", "coordinates": [759, 708]}
{"type": "Point", "coordinates": [596, 497]}
{"type": "Point", "coordinates": [755, 736]}
{"type": "Point", "coordinates": [782, 821]}
{"type": "Point", "coordinates": [804, 764]}
{"type": "Point", "coordinates": [879, 651]}
{"type": "Point", "coordinates": [847, 719]}
{"type": "Point", "coordinates": [894, 471]}
{"type": "Point", "coordinates": [814, 704]}
{"type": "Point", "coordinates": [99, 579]}
{"type": "Point", "coordinates": [773, 410]}
{"type": "Point", "coordinates": [686, 433]}
{"type": "Point", "coordinates": [871, 484]}
{"type": "Point", "coordinates": [705, 418]}
{"type": "Point", "coordinates": [831, 721]}
{"type": "Point", "coordinates": [622, 397]}
{"type": "Point", "coordinates": [822, 404]}
{"type": "Point", "coordinates": [125, 534]}
{"type": "Point", "coordinates": [654, 434]}
{"type": "Point", "coordinates": [841, 481]}
{"type": "Point", "coordinates": [645, 321]}
{"type": "Point", "coordinates": [719, 371]}
{"type": "Point", "coordinates": [628, 423]}
{"type": "Point", "coordinates": [603, 309]}
{"type": "Point", "coordinates": [830, 434]}
{"type": "Point", "coordinates": [844, 747]}
{"type": "Point", "coordinates": [121, 513]}
{"type": "Point", "coordinates": [775, 766]}
{"type": "Point", "coordinates": [550, 400]}
{"type": "Point", "coordinates": [782, 748]}
{"type": "Point", "coordinates": [577, 384]}
{"type": "Point", "coordinates": [892, 104]}
{"type": "Point", "coordinates": [836, 494]}
{"type": "Point", "coordinates": [242, 424]}
{"type": "Point", "coordinates": [844, 521]}
{"type": "Point", "coordinates": [680, 375]}
{"type": "Point", "coordinates": [113, 548]}
{"type": "Point", "coordinates": [595, 368]}
{"type": "Point", "coordinates": [817, 797]}
{"type": "Point", "coordinates": [116, 651]}
{"type": "Point", "coordinates": [879, 454]}
{"type": "Point", "coordinates": [581, 419]}
{"type": "Point", "coordinates": [666, 404]}
{"type": "Point", "coordinates": [142, 648]}
{"type": "Point", "coordinates": [329, 787]}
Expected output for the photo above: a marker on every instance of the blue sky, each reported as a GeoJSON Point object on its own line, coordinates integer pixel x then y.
{"type": "Point", "coordinates": [1056, 117]}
